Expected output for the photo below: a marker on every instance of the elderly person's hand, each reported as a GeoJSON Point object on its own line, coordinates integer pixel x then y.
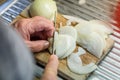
{"type": "Point", "coordinates": [35, 32]}
{"type": "Point", "coordinates": [50, 72]}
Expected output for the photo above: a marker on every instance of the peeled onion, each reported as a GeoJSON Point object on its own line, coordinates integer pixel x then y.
{"type": "Point", "coordinates": [45, 8]}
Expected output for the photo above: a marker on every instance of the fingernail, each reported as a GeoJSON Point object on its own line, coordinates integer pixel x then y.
{"type": "Point", "coordinates": [46, 45]}
{"type": "Point", "coordinates": [54, 56]}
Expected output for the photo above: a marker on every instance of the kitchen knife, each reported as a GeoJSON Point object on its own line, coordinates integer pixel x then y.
{"type": "Point", "coordinates": [53, 50]}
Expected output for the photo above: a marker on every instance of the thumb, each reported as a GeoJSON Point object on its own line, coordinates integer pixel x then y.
{"type": "Point", "coordinates": [38, 45]}
{"type": "Point", "coordinates": [50, 72]}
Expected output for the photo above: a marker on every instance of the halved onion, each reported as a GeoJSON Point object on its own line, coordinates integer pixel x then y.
{"type": "Point", "coordinates": [90, 40]}
{"type": "Point", "coordinates": [94, 44]}
{"type": "Point", "coordinates": [104, 29]}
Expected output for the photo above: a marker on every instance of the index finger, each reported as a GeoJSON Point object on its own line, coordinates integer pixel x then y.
{"type": "Point", "coordinates": [50, 72]}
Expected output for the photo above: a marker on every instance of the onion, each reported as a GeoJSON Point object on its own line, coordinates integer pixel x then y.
{"type": "Point", "coordinates": [63, 44]}
{"type": "Point", "coordinates": [70, 50]}
{"type": "Point", "coordinates": [74, 63]}
{"type": "Point", "coordinates": [68, 30]}
{"type": "Point", "coordinates": [90, 39]}
{"type": "Point", "coordinates": [92, 36]}
{"type": "Point", "coordinates": [65, 41]}
{"type": "Point", "coordinates": [45, 8]}
{"type": "Point", "coordinates": [101, 27]}
{"type": "Point", "coordinates": [51, 44]}
{"type": "Point", "coordinates": [95, 44]}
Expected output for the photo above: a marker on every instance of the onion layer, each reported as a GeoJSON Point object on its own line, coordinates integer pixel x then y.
{"type": "Point", "coordinates": [92, 36]}
{"type": "Point", "coordinates": [63, 44]}
{"type": "Point", "coordinates": [74, 63]}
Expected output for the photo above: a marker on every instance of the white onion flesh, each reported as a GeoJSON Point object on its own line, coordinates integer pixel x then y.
{"type": "Point", "coordinates": [100, 27]}
{"type": "Point", "coordinates": [93, 42]}
{"type": "Point", "coordinates": [105, 27]}
{"type": "Point", "coordinates": [92, 36]}
{"type": "Point", "coordinates": [51, 44]}
{"type": "Point", "coordinates": [64, 45]}
{"type": "Point", "coordinates": [74, 57]}
{"type": "Point", "coordinates": [45, 8]}
{"type": "Point", "coordinates": [89, 34]}
{"type": "Point", "coordinates": [68, 30]}
{"type": "Point", "coordinates": [74, 63]}
{"type": "Point", "coordinates": [70, 50]}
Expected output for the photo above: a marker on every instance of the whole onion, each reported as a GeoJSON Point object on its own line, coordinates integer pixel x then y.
{"type": "Point", "coordinates": [45, 8]}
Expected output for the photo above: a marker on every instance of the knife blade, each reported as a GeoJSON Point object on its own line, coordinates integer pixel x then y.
{"type": "Point", "coordinates": [53, 42]}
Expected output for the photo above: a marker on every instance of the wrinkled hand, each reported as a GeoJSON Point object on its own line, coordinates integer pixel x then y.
{"type": "Point", "coordinates": [35, 32]}
{"type": "Point", "coordinates": [50, 72]}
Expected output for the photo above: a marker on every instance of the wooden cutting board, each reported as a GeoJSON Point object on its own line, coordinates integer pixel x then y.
{"type": "Point", "coordinates": [63, 70]}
